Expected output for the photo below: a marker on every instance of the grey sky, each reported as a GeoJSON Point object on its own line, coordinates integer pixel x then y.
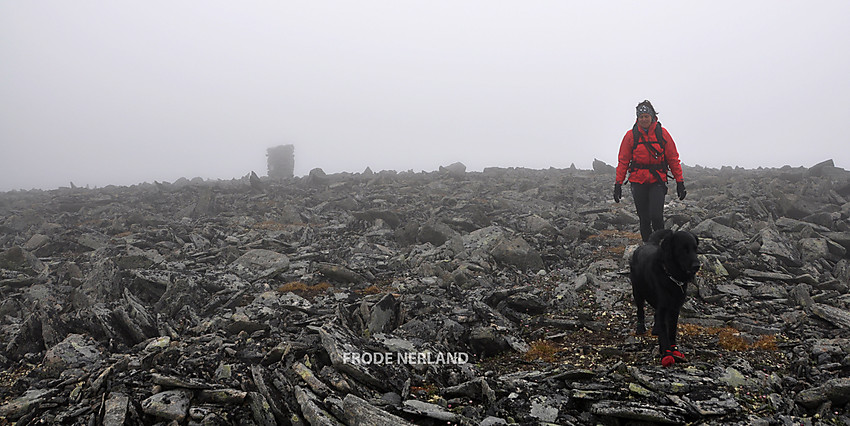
{"type": "Point", "coordinates": [106, 92]}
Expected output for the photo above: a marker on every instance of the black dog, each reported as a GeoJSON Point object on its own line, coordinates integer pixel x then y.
{"type": "Point", "coordinates": [660, 271]}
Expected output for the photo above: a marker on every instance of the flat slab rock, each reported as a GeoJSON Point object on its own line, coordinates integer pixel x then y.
{"type": "Point", "coordinates": [171, 404]}
{"type": "Point", "coordinates": [639, 411]}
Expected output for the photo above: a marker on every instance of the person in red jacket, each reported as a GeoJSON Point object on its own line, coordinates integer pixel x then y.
{"type": "Point", "coordinates": [647, 160]}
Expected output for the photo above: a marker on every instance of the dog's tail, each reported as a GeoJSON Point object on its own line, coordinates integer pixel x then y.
{"type": "Point", "coordinates": [658, 236]}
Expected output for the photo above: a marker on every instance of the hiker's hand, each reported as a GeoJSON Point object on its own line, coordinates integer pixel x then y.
{"type": "Point", "coordinates": [680, 189]}
{"type": "Point", "coordinates": [618, 192]}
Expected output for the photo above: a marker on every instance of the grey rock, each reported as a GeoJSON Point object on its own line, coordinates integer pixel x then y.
{"type": "Point", "coordinates": [340, 349]}
{"type": "Point", "coordinates": [486, 341]}
{"type": "Point", "coordinates": [171, 404]}
{"type": "Point", "coordinates": [260, 263]}
{"type": "Point", "coordinates": [115, 409]}
{"type": "Point", "coordinates": [813, 249]}
{"type": "Point", "coordinates": [535, 224]}
{"type": "Point", "coordinates": [793, 206]}
{"type": "Point", "coordinates": [384, 316]}
{"type": "Point", "coordinates": [835, 390]}
{"type": "Point", "coordinates": [541, 410]}
{"type": "Point", "coordinates": [710, 228]}
{"type": "Point", "coordinates": [517, 252]}
{"type": "Point", "coordinates": [841, 238]}
{"type": "Point", "coordinates": [601, 167]}
{"type": "Point", "coordinates": [436, 233]}
{"type": "Point", "coordinates": [455, 170]}
{"type": "Point", "coordinates": [75, 351]}
{"type": "Point", "coordinates": [316, 385]}
{"type": "Point", "coordinates": [261, 409]}
{"type": "Point", "coordinates": [313, 412]}
{"type": "Point", "coordinates": [822, 169]}
{"type": "Point", "coordinates": [21, 261]}
{"type": "Point", "coordinates": [358, 412]}
{"type": "Point", "coordinates": [717, 406]}
{"type": "Point", "coordinates": [767, 275]}
{"type": "Point", "coordinates": [638, 411]}
{"type": "Point", "coordinates": [27, 339]}
{"type": "Point", "coordinates": [734, 290]}
{"type": "Point", "coordinates": [786, 224]}
{"type": "Point", "coordinates": [477, 389]}
{"type": "Point", "coordinates": [734, 378]}
{"type": "Point", "coordinates": [770, 291]}
{"type": "Point", "coordinates": [339, 273]}
{"type": "Point", "coordinates": [802, 295]}
{"type": "Point", "coordinates": [318, 178]}
{"type": "Point", "coordinates": [837, 316]}
{"type": "Point", "coordinates": [35, 242]}
{"type": "Point", "coordinates": [774, 244]}
{"type": "Point", "coordinates": [429, 410]}
{"type": "Point", "coordinates": [18, 407]}
{"type": "Point", "coordinates": [240, 323]}
{"type": "Point", "coordinates": [93, 240]}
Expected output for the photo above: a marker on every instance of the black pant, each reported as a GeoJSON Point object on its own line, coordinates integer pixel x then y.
{"type": "Point", "coordinates": [649, 202]}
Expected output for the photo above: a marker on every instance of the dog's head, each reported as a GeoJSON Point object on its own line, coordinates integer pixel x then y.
{"type": "Point", "coordinates": [679, 254]}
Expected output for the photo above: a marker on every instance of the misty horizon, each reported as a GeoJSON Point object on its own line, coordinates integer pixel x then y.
{"type": "Point", "coordinates": [436, 169]}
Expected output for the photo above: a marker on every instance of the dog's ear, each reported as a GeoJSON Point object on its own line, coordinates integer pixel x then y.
{"type": "Point", "coordinates": [665, 239]}
{"type": "Point", "coordinates": [696, 239]}
{"type": "Point", "coordinates": [659, 236]}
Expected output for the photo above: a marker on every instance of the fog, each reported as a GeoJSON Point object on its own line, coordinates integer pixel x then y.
{"type": "Point", "coordinates": [117, 93]}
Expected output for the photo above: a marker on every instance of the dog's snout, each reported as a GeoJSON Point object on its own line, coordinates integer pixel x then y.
{"type": "Point", "coordinates": [695, 266]}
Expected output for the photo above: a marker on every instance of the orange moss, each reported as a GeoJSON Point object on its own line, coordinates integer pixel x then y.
{"type": "Point", "coordinates": [304, 290]}
{"type": "Point", "coordinates": [543, 350]}
{"type": "Point", "coordinates": [730, 338]}
{"type": "Point", "coordinates": [766, 343]}
{"type": "Point", "coordinates": [618, 250]}
{"type": "Point", "coordinates": [614, 233]}
{"type": "Point", "coordinates": [372, 289]}
{"type": "Point", "coordinates": [691, 330]}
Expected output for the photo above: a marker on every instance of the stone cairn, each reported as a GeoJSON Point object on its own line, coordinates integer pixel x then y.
{"type": "Point", "coordinates": [281, 161]}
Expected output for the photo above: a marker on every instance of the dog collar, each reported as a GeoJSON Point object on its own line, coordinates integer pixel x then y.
{"type": "Point", "coordinates": [681, 284]}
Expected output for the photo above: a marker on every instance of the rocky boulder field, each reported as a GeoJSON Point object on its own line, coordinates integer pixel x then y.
{"type": "Point", "coordinates": [432, 298]}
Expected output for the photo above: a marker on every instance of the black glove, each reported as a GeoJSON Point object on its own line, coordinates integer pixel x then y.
{"type": "Point", "coordinates": [680, 189]}
{"type": "Point", "coordinates": [618, 192]}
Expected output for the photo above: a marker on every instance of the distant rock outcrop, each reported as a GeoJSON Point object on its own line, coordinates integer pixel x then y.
{"type": "Point", "coordinates": [600, 167]}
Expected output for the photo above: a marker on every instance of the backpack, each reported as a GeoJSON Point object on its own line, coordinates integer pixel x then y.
{"type": "Point", "coordinates": [656, 169]}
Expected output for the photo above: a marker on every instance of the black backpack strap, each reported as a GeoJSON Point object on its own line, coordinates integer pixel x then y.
{"type": "Point", "coordinates": [659, 137]}
{"type": "Point", "coordinates": [636, 134]}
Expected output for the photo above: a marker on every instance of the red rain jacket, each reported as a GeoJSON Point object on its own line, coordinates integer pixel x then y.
{"type": "Point", "coordinates": [642, 155]}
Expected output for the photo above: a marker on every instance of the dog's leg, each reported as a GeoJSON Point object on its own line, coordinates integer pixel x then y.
{"type": "Point", "coordinates": [674, 331]}
{"type": "Point", "coordinates": [656, 326]}
{"type": "Point", "coordinates": [663, 320]}
{"type": "Point", "coordinates": [661, 315]}
{"type": "Point", "coordinates": [641, 319]}
{"type": "Point", "coordinates": [640, 328]}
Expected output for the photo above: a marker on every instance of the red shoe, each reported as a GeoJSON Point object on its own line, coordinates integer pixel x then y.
{"type": "Point", "coordinates": [668, 360]}
{"type": "Point", "coordinates": [674, 352]}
